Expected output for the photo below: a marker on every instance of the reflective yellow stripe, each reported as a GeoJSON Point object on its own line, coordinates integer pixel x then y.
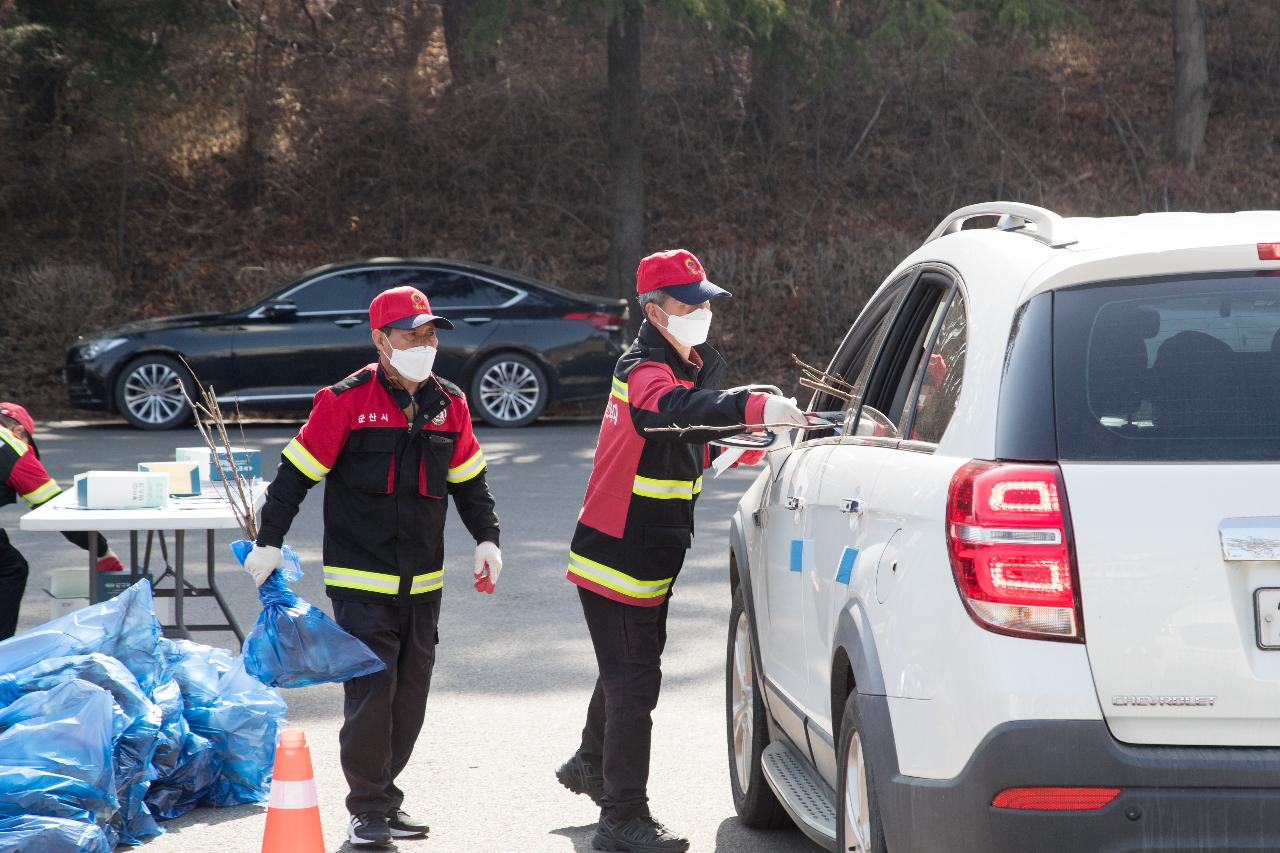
{"type": "Point", "coordinates": [357, 579]}
{"type": "Point", "coordinates": [684, 490]}
{"type": "Point", "coordinates": [620, 389]}
{"type": "Point", "coordinates": [304, 461]}
{"type": "Point", "coordinates": [616, 580]}
{"type": "Point", "coordinates": [380, 582]}
{"type": "Point", "coordinates": [429, 582]}
{"type": "Point", "coordinates": [43, 494]}
{"type": "Point", "coordinates": [469, 469]}
{"type": "Point", "coordinates": [19, 446]}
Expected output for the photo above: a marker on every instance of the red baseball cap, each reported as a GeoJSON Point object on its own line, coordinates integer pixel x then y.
{"type": "Point", "coordinates": [19, 414]}
{"type": "Point", "coordinates": [403, 307]}
{"type": "Point", "coordinates": [680, 274]}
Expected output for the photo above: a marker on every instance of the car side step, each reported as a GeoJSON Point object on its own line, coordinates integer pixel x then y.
{"type": "Point", "coordinates": [808, 799]}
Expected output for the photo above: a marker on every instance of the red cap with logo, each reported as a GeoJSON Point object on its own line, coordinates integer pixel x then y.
{"type": "Point", "coordinates": [403, 307]}
{"type": "Point", "coordinates": [680, 274]}
{"type": "Point", "coordinates": [19, 414]}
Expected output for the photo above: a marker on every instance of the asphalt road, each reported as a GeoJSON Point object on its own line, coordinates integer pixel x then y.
{"type": "Point", "coordinates": [514, 670]}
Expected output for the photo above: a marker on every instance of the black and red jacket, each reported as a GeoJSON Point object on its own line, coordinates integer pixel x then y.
{"type": "Point", "coordinates": [389, 483]}
{"type": "Point", "coordinates": [21, 473]}
{"type": "Point", "coordinates": [637, 519]}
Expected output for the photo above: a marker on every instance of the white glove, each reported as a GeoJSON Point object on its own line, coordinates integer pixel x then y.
{"type": "Point", "coordinates": [783, 410]}
{"type": "Point", "coordinates": [488, 566]}
{"type": "Point", "coordinates": [262, 561]}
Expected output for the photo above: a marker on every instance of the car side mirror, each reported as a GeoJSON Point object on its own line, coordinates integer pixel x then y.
{"type": "Point", "coordinates": [763, 440]}
{"type": "Point", "coordinates": [281, 309]}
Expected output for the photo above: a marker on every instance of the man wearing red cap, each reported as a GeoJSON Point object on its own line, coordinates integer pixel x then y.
{"type": "Point", "coordinates": [634, 528]}
{"type": "Point", "coordinates": [395, 442]}
{"type": "Point", "coordinates": [22, 475]}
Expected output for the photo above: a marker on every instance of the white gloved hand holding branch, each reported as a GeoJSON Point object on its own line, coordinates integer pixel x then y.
{"type": "Point", "coordinates": [262, 561]}
{"type": "Point", "coordinates": [488, 566]}
{"type": "Point", "coordinates": [783, 410]}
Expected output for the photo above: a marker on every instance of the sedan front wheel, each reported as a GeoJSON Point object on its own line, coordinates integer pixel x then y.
{"type": "Point", "coordinates": [149, 393]}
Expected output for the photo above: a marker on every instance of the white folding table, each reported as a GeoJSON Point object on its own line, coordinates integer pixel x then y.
{"type": "Point", "coordinates": [208, 512]}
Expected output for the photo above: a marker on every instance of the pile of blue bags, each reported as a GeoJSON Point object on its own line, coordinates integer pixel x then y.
{"type": "Point", "coordinates": [107, 727]}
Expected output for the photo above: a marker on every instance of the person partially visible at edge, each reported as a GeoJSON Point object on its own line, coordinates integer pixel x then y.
{"type": "Point", "coordinates": [634, 528]}
{"type": "Point", "coordinates": [395, 441]}
{"type": "Point", "coordinates": [23, 475]}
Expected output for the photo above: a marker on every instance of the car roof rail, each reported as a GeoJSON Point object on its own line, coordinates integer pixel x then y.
{"type": "Point", "coordinates": [1043, 225]}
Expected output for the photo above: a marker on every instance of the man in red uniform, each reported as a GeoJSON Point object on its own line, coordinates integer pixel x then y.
{"type": "Point", "coordinates": [22, 475]}
{"type": "Point", "coordinates": [634, 528]}
{"type": "Point", "coordinates": [395, 442]}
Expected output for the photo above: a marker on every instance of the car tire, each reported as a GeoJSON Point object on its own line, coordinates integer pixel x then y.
{"type": "Point", "coordinates": [747, 729]}
{"type": "Point", "coordinates": [858, 827]}
{"type": "Point", "coordinates": [509, 390]}
{"type": "Point", "coordinates": [147, 393]}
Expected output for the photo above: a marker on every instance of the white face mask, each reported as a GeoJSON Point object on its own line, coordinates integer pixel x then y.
{"type": "Point", "coordinates": [690, 329]}
{"type": "Point", "coordinates": [414, 363]}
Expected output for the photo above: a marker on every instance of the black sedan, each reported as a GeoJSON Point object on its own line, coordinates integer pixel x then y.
{"type": "Point", "coordinates": [518, 344]}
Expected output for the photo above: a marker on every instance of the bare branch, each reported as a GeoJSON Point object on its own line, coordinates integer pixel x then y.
{"type": "Point", "coordinates": [681, 430]}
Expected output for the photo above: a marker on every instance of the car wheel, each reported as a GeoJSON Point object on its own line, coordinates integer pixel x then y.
{"type": "Point", "coordinates": [149, 393]}
{"type": "Point", "coordinates": [509, 390]}
{"type": "Point", "coordinates": [747, 729]}
{"type": "Point", "coordinates": [858, 829]}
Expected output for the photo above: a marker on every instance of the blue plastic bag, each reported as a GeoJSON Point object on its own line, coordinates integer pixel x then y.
{"type": "Point", "coordinates": [123, 627]}
{"type": "Point", "coordinates": [184, 764]}
{"type": "Point", "coordinates": [35, 834]}
{"type": "Point", "coordinates": [240, 717]}
{"type": "Point", "coordinates": [136, 730]}
{"type": "Point", "coordinates": [294, 643]}
{"type": "Point", "coordinates": [55, 754]}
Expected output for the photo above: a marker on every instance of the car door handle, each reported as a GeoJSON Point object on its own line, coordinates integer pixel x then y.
{"type": "Point", "coordinates": [794, 503]}
{"type": "Point", "coordinates": [348, 322]}
{"type": "Point", "coordinates": [476, 321]}
{"type": "Point", "coordinates": [852, 506]}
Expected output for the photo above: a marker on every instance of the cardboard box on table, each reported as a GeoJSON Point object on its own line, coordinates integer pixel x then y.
{"type": "Point", "coordinates": [247, 460]}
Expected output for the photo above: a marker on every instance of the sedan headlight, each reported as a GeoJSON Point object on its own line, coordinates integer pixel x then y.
{"type": "Point", "coordinates": [93, 349]}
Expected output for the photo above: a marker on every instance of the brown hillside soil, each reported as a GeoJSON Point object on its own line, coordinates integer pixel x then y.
{"type": "Point", "coordinates": [511, 170]}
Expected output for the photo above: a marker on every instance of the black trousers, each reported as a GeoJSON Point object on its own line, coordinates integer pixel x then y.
{"type": "Point", "coordinates": [628, 641]}
{"type": "Point", "coordinates": [13, 582]}
{"type": "Point", "coordinates": [383, 712]}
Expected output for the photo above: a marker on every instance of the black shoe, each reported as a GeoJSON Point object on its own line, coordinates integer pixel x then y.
{"type": "Point", "coordinates": [403, 826]}
{"type": "Point", "coordinates": [637, 835]}
{"type": "Point", "coordinates": [369, 829]}
{"type": "Point", "coordinates": [582, 777]}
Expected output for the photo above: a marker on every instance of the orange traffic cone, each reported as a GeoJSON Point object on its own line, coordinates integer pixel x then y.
{"type": "Point", "coordinates": [293, 814]}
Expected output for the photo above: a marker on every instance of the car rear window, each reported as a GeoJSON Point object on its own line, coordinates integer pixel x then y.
{"type": "Point", "coordinates": [1169, 369]}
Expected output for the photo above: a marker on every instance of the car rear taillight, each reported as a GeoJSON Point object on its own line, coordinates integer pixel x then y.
{"type": "Point", "coordinates": [1269, 251]}
{"type": "Point", "coordinates": [601, 320]}
{"type": "Point", "coordinates": [1008, 536]}
{"type": "Point", "coordinates": [1055, 799]}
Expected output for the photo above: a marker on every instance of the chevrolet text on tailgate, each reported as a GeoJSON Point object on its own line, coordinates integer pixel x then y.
{"type": "Point", "coordinates": [1027, 596]}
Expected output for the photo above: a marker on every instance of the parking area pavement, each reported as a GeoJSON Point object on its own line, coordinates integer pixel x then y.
{"type": "Point", "coordinates": [514, 670]}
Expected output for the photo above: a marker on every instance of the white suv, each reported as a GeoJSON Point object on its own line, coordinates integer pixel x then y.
{"type": "Point", "coordinates": [1027, 596]}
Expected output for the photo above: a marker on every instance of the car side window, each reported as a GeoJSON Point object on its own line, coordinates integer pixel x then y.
{"type": "Point", "coordinates": [447, 290]}
{"type": "Point", "coordinates": [338, 292]}
{"type": "Point", "coordinates": [853, 361]}
{"type": "Point", "coordinates": [888, 392]}
{"type": "Point", "coordinates": [940, 388]}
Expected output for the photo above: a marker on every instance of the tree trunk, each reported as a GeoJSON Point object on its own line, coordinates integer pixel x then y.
{"type": "Point", "coordinates": [457, 25]}
{"type": "Point", "coordinates": [1191, 88]}
{"type": "Point", "coordinates": [626, 164]}
{"type": "Point", "coordinates": [417, 23]}
{"type": "Point", "coordinates": [768, 99]}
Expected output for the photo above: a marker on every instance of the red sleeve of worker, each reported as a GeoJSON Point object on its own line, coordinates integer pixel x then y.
{"type": "Point", "coordinates": [648, 383]}
{"type": "Point", "coordinates": [322, 437]}
{"type": "Point", "coordinates": [26, 475]}
{"type": "Point", "coordinates": [755, 408]}
{"type": "Point", "coordinates": [467, 461]}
